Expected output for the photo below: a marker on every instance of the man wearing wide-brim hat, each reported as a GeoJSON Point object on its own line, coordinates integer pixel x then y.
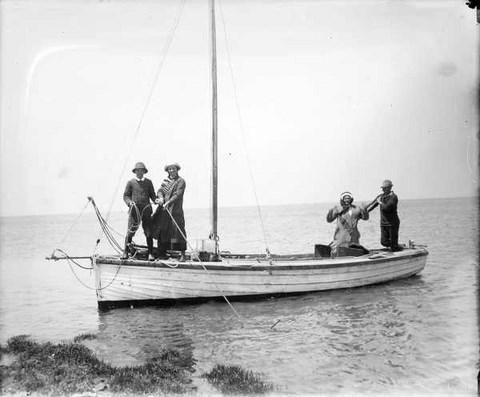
{"type": "Point", "coordinates": [389, 220]}
{"type": "Point", "coordinates": [138, 193]}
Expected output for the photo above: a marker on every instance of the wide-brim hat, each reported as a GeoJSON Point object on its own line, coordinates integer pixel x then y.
{"type": "Point", "coordinates": [387, 183]}
{"type": "Point", "coordinates": [139, 166]}
{"type": "Point", "coordinates": [344, 194]}
{"type": "Point", "coordinates": [172, 165]}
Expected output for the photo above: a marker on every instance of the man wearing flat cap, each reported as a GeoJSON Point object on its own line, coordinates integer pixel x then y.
{"type": "Point", "coordinates": [138, 193]}
{"type": "Point", "coordinates": [347, 215]}
{"type": "Point", "coordinates": [389, 220]}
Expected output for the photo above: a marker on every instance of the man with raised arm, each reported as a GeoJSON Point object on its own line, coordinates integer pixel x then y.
{"type": "Point", "coordinates": [389, 220]}
{"type": "Point", "coordinates": [347, 215]}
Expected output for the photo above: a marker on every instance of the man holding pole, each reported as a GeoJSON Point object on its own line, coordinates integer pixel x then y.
{"type": "Point", "coordinates": [389, 221]}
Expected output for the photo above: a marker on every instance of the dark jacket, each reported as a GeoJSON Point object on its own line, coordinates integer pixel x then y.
{"type": "Point", "coordinates": [388, 210]}
{"type": "Point", "coordinates": [139, 192]}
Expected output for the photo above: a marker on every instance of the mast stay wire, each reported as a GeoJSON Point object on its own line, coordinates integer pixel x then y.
{"type": "Point", "coordinates": [73, 224]}
{"type": "Point", "coordinates": [147, 103]}
{"type": "Point", "coordinates": [204, 268]}
{"type": "Point", "coordinates": [242, 130]}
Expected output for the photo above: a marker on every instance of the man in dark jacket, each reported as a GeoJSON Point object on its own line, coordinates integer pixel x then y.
{"type": "Point", "coordinates": [138, 193]}
{"type": "Point", "coordinates": [389, 221]}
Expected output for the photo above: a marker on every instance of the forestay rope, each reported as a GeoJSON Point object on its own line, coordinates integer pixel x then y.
{"type": "Point", "coordinates": [73, 224]}
{"type": "Point", "coordinates": [147, 103]}
{"type": "Point", "coordinates": [52, 255]}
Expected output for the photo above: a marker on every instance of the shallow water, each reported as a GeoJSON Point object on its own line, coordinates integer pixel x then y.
{"type": "Point", "coordinates": [418, 335]}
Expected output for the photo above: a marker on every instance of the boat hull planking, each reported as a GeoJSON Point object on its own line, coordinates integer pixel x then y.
{"type": "Point", "coordinates": [138, 282]}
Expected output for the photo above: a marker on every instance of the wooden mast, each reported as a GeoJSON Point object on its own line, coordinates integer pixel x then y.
{"type": "Point", "coordinates": [214, 234]}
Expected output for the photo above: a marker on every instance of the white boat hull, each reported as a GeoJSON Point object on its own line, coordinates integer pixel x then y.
{"type": "Point", "coordinates": [130, 282]}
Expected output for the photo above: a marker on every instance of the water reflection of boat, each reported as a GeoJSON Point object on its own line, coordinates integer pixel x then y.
{"type": "Point", "coordinates": [131, 337]}
{"type": "Point", "coordinates": [210, 273]}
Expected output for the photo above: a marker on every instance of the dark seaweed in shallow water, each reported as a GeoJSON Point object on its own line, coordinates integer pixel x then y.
{"type": "Point", "coordinates": [71, 368]}
{"type": "Point", "coordinates": [235, 380]}
{"type": "Point", "coordinates": [83, 337]}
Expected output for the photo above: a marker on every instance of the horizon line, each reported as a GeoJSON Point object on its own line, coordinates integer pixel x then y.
{"type": "Point", "coordinates": [243, 206]}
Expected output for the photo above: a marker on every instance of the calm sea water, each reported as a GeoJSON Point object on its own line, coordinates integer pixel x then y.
{"type": "Point", "coordinates": [418, 335]}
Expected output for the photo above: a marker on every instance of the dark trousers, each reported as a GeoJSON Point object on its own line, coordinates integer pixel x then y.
{"type": "Point", "coordinates": [166, 243]}
{"type": "Point", "coordinates": [128, 240]}
{"type": "Point", "coordinates": [163, 244]}
{"type": "Point", "coordinates": [389, 236]}
{"type": "Point", "coordinates": [134, 222]}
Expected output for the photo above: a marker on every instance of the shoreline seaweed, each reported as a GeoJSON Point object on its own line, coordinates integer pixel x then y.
{"type": "Point", "coordinates": [235, 380]}
{"type": "Point", "coordinates": [71, 368]}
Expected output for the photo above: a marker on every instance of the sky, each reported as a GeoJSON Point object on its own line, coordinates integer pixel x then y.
{"type": "Point", "coordinates": [314, 98]}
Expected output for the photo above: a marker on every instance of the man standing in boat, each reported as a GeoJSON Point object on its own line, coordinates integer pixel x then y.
{"type": "Point", "coordinates": [169, 221]}
{"type": "Point", "coordinates": [389, 221]}
{"type": "Point", "coordinates": [138, 193]}
{"type": "Point", "coordinates": [347, 215]}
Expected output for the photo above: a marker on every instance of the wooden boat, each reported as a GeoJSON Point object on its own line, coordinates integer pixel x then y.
{"type": "Point", "coordinates": [134, 282]}
{"type": "Point", "coordinates": [210, 274]}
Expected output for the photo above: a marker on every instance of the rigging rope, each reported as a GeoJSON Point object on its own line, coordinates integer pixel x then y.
{"type": "Point", "coordinates": [69, 258]}
{"type": "Point", "coordinates": [113, 278]}
{"type": "Point", "coordinates": [73, 224]}
{"type": "Point", "coordinates": [105, 229]}
{"type": "Point", "coordinates": [201, 263]}
{"type": "Point", "coordinates": [147, 103]}
{"type": "Point", "coordinates": [134, 227]}
{"type": "Point", "coordinates": [69, 230]}
{"type": "Point", "coordinates": [69, 261]}
{"type": "Point", "coordinates": [240, 121]}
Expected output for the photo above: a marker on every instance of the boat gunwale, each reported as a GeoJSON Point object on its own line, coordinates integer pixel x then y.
{"type": "Point", "coordinates": [262, 264]}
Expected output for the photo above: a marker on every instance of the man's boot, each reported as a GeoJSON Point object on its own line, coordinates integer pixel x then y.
{"type": "Point", "coordinates": [128, 241]}
{"type": "Point", "coordinates": [150, 249]}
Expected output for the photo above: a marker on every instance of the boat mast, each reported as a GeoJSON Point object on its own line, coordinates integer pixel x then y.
{"type": "Point", "coordinates": [214, 234]}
